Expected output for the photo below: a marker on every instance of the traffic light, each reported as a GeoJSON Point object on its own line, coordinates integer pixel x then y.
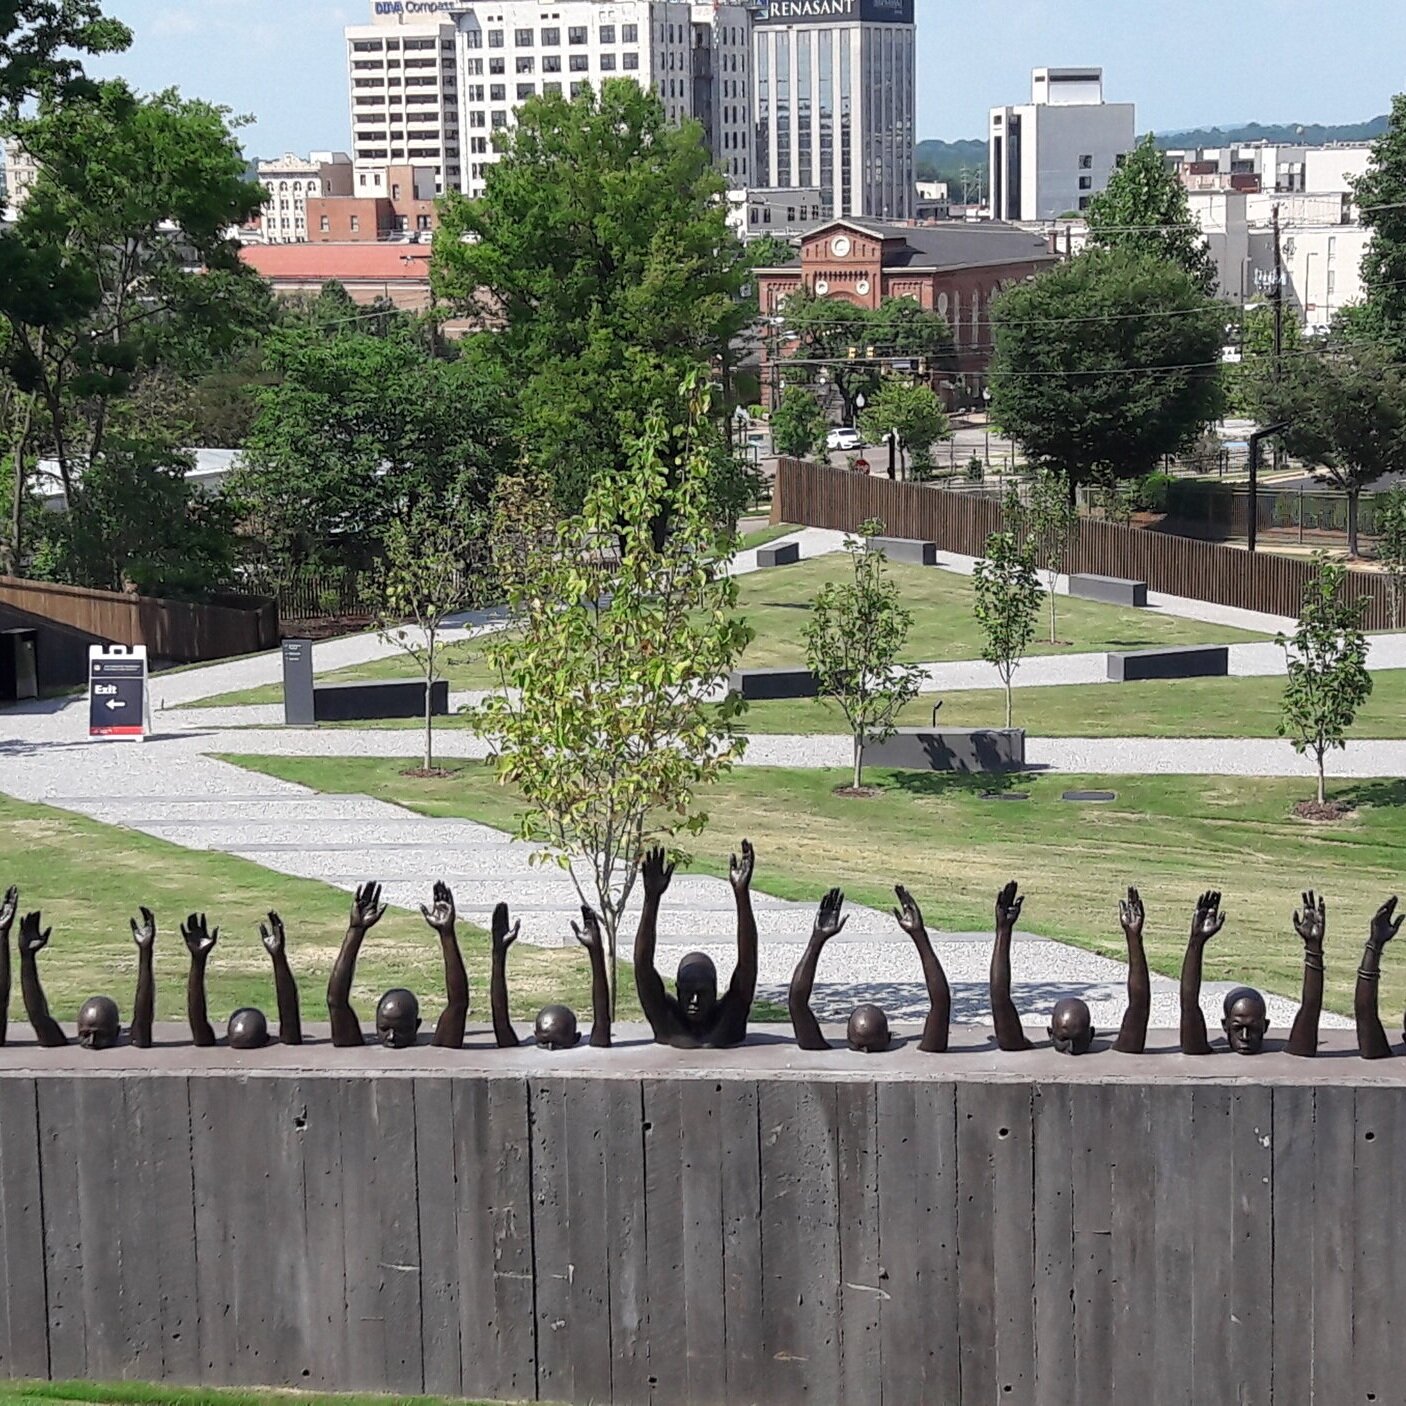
{"type": "Point", "coordinates": [869, 352]}
{"type": "Point", "coordinates": [853, 352]}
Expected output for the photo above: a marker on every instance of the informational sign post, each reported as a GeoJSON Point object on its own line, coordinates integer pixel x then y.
{"type": "Point", "coordinates": [117, 696]}
{"type": "Point", "coordinates": [298, 702]}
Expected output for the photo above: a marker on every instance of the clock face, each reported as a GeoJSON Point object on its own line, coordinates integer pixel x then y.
{"type": "Point", "coordinates": [862, 288]}
{"type": "Point", "coordinates": [840, 246]}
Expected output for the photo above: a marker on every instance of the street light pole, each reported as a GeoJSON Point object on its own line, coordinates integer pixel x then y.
{"type": "Point", "coordinates": [1254, 504]}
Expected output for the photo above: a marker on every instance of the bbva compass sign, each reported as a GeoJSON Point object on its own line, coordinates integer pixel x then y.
{"type": "Point", "coordinates": [818, 11]}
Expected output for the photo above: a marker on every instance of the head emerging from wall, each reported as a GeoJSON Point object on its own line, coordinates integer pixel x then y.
{"type": "Point", "coordinates": [248, 1029]}
{"type": "Point", "coordinates": [697, 987]}
{"type": "Point", "coordinates": [556, 1028]}
{"type": "Point", "coordinates": [1071, 1026]}
{"type": "Point", "coordinates": [99, 1024]}
{"type": "Point", "coordinates": [1246, 1020]}
{"type": "Point", "coordinates": [868, 1031]}
{"type": "Point", "coordinates": [398, 1019]}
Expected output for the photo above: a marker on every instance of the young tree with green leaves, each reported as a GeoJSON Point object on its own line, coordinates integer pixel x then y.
{"type": "Point", "coordinates": [424, 579]}
{"type": "Point", "coordinates": [1144, 209]}
{"type": "Point", "coordinates": [600, 254]}
{"type": "Point", "coordinates": [854, 636]}
{"type": "Point", "coordinates": [618, 639]}
{"type": "Point", "coordinates": [1380, 194]}
{"type": "Point", "coordinates": [1054, 520]}
{"type": "Point", "coordinates": [1390, 517]}
{"type": "Point", "coordinates": [1107, 363]}
{"type": "Point", "coordinates": [798, 424]}
{"type": "Point", "coordinates": [1007, 601]}
{"type": "Point", "coordinates": [1327, 658]}
{"type": "Point", "coordinates": [914, 412]}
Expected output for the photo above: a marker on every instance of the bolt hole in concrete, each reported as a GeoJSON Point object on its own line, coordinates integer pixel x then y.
{"type": "Point", "coordinates": [1005, 1132]}
{"type": "Point", "coordinates": [1371, 1137]}
{"type": "Point", "coordinates": [1090, 796]}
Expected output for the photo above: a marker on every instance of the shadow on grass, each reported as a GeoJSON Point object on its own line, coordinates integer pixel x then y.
{"type": "Point", "coordinates": [942, 783]}
{"type": "Point", "coordinates": [1377, 794]}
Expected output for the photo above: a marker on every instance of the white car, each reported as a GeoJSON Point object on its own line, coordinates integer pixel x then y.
{"type": "Point", "coordinates": [845, 437]}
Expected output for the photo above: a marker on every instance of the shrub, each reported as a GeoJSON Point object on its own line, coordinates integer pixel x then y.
{"type": "Point", "coordinates": [976, 470]}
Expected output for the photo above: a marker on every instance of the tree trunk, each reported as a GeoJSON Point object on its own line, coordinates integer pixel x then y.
{"type": "Point", "coordinates": [1322, 793]}
{"type": "Point", "coordinates": [1054, 637]}
{"type": "Point", "coordinates": [429, 722]}
{"type": "Point", "coordinates": [1352, 497]}
{"type": "Point", "coordinates": [612, 923]}
{"type": "Point", "coordinates": [858, 763]}
{"type": "Point", "coordinates": [1008, 701]}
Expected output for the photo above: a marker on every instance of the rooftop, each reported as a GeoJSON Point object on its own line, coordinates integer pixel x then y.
{"type": "Point", "coordinates": [382, 262]}
{"type": "Point", "coordinates": [954, 244]}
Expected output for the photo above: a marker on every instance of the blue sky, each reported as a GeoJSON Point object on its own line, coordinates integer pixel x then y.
{"type": "Point", "coordinates": [1190, 63]}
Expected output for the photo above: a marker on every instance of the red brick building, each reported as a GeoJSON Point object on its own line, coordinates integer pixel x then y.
{"type": "Point", "coordinates": [953, 268]}
{"type": "Point", "coordinates": [384, 202]}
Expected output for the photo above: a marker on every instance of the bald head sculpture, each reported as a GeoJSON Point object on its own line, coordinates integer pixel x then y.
{"type": "Point", "coordinates": [1071, 1027]}
{"type": "Point", "coordinates": [248, 1029]}
{"type": "Point", "coordinates": [868, 1030]}
{"type": "Point", "coordinates": [556, 1028]}
{"type": "Point", "coordinates": [398, 1019]}
{"type": "Point", "coordinates": [99, 1024]}
{"type": "Point", "coordinates": [1246, 1020]}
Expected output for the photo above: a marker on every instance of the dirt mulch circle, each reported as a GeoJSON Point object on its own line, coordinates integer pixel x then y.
{"type": "Point", "coordinates": [1322, 814]}
{"type": "Point", "coordinates": [435, 773]}
{"type": "Point", "coordinates": [857, 793]}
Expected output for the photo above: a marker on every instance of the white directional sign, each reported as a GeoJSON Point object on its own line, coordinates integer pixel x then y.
{"type": "Point", "coordinates": [117, 691]}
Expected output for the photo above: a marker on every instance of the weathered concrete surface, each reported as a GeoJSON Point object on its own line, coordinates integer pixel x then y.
{"type": "Point", "coordinates": [763, 1225]}
{"type": "Point", "coordinates": [377, 698]}
{"type": "Point", "coordinates": [950, 749]}
{"type": "Point", "coordinates": [1112, 589]}
{"type": "Point", "coordinates": [758, 684]}
{"type": "Point", "coordinates": [905, 549]}
{"type": "Point", "coordinates": [783, 554]}
{"type": "Point", "coordinates": [1192, 661]}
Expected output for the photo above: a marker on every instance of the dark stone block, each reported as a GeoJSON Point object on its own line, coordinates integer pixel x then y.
{"type": "Point", "coordinates": [1112, 589]}
{"type": "Point", "coordinates": [787, 554]}
{"type": "Point", "coordinates": [1195, 661]}
{"type": "Point", "coordinates": [905, 549]}
{"type": "Point", "coordinates": [760, 684]}
{"type": "Point", "coordinates": [391, 698]}
{"type": "Point", "coordinates": [1090, 796]}
{"type": "Point", "coordinates": [950, 749]}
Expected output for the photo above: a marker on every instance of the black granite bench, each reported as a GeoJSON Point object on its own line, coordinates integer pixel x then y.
{"type": "Point", "coordinates": [1195, 661]}
{"type": "Point", "coordinates": [760, 684]}
{"type": "Point", "coordinates": [950, 749]}
{"type": "Point", "coordinates": [905, 549]}
{"type": "Point", "coordinates": [786, 554]}
{"type": "Point", "coordinates": [388, 698]}
{"type": "Point", "coordinates": [1112, 589]}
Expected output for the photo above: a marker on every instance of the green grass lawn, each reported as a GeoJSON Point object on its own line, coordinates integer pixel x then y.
{"type": "Point", "coordinates": [140, 1394]}
{"type": "Point", "coordinates": [1236, 707]}
{"type": "Point", "coordinates": [1171, 836]}
{"type": "Point", "coordinates": [777, 604]}
{"type": "Point", "coordinates": [88, 879]}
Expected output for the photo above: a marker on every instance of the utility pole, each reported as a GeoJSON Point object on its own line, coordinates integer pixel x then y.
{"type": "Point", "coordinates": [1278, 321]}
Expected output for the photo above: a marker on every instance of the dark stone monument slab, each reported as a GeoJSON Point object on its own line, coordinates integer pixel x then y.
{"type": "Point", "coordinates": [760, 684]}
{"type": "Point", "coordinates": [787, 554]}
{"type": "Point", "coordinates": [905, 549]}
{"type": "Point", "coordinates": [1090, 796]}
{"type": "Point", "coordinates": [1112, 589]}
{"type": "Point", "coordinates": [1196, 661]}
{"type": "Point", "coordinates": [950, 749]}
{"type": "Point", "coordinates": [389, 698]}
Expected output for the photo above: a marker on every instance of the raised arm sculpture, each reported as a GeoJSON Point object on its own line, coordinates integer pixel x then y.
{"type": "Point", "coordinates": [99, 1024]}
{"type": "Point", "coordinates": [9, 906]}
{"type": "Point", "coordinates": [589, 936]}
{"type": "Point", "coordinates": [1009, 1033]}
{"type": "Point", "coordinates": [502, 937]}
{"type": "Point", "coordinates": [1132, 1034]}
{"type": "Point", "coordinates": [828, 923]}
{"type": "Point", "coordinates": [935, 1028]}
{"type": "Point", "coordinates": [366, 911]}
{"type": "Point", "coordinates": [144, 1006]}
{"type": "Point", "coordinates": [1311, 924]}
{"type": "Point", "coordinates": [697, 1019]}
{"type": "Point", "coordinates": [1207, 921]}
{"type": "Point", "coordinates": [449, 1029]}
{"type": "Point", "coordinates": [1371, 1038]}
{"type": "Point", "coordinates": [36, 1008]}
{"type": "Point", "coordinates": [200, 942]}
{"type": "Point", "coordinates": [290, 1016]}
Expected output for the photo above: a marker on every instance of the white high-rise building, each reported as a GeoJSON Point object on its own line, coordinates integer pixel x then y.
{"type": "Point", "coordinates": [432, 80]}
{"type": "Point", "coordinates": [835, 103]}
{"type": "Point", "coordinates": [21, 171]}
{"type": "Point", "coordinates": [1050, 157]}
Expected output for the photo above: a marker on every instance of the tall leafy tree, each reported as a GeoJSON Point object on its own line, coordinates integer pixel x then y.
{"type": "Point", "coordinates": [854, 636]}
{"type": "Point", "coordinates": [1390, 523]}
{"type": "Point", "coordinates": [798, 424]}
{"type": "Point", "coordinates": [1346, 409]}
{"type": "Point", "coordinates": [601, 249]}
{"type": "Point", "coordinates": [357, 431]}
{"type": "Point", "coordinates": [1381, 196]}
{"type": "Point", "coordinates": [1053, 518]}
{"type": "Point", "coordinates": [1327, 660]}
{"type": "Point", "coordinates": [42, 44]}
{"type": "Point", "coordinates": [1107, 363]}
{"type": "Point", "coordinates": [612, 664]}
{"type": "Point", "coordinates": [1144, 209]}
{"type": "Point", "coordinates": [913, 412]}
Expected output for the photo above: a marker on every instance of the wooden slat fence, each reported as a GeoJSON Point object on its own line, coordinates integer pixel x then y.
{"type": "Point", "coordinates": [180, 631]}
{"type": "Point", "coordinates": [814, 495]}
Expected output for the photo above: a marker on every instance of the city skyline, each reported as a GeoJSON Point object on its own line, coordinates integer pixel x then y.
{"type": "Point", "coordinates": [285, 66]}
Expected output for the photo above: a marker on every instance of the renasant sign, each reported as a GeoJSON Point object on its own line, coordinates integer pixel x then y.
{"type": "Point", "coordinates": [802, 11]}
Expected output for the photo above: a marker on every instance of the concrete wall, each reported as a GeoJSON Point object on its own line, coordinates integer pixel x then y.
{"type": "Point", "coordinates": [758, 1226]}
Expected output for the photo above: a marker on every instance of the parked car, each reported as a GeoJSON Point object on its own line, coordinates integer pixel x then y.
{"type": "Point", "coordinates": [845, 437]}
